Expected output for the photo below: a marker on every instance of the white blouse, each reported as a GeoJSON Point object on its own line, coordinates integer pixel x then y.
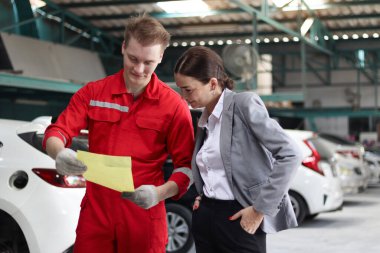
{"type": "Point", "coordinates": [209, 160]}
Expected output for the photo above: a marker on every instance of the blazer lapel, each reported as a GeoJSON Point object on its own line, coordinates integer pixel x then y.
{"type": "Point", "coordinates": [226, 133]}
{"type": "Point", "coordinates": [199, 139]}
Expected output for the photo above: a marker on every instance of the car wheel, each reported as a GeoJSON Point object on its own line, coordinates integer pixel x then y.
{"type": "Point", "coordinates": [179, 222]}
{"type": "Point", "coordinates": [12, 247]}
{"type": "Point", "coordinates": [5, 248]}
{"type": "Point", "coordinates": [12, 240]}
{"type": "Point", "coordinates": [299, 206]}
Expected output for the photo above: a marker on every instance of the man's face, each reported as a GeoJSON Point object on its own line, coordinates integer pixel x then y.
{"type": "Point", "coordinates": [140, 62]}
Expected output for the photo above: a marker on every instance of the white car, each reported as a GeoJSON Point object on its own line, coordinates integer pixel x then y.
{"type": "Point", "coordinates": [316, 187]}
{"type": "Point", "coordinates": [353, 171]}
{"type": "Point", "coordinates": [373, 162]}
{"type": "Point", "coordinates": [39, 209]}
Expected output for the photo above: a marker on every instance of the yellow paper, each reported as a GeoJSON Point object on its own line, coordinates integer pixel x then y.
{"type": "Point", "coordinates": [114, 172]}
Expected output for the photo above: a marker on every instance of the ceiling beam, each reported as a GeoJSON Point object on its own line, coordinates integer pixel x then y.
{"type": "Point", "coordinates": [332, 4]}
{"type": "Point", "coordinates": [164, 14]}
{"type": "Point", "coordinates": [261, 34]}
{"type": "Point", "coordinates": [108, 3]}
{"type": "Point", "coordinates": [249, 22]}
{"type": "Point", "coordinates": [17, 81]}
{"type": "Point", "coordinates": [131, 2]}
{"type": "Point", "coordinates": [259, 15]}
{"type": "Point", "coordinates": [80, 21]}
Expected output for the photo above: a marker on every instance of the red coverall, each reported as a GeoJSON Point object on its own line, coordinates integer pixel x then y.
{"type": "Point", "coordinates": [149, 128]}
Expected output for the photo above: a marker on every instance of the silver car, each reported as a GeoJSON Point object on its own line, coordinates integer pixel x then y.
{"type": "Point", "coordinates": [352, 170]}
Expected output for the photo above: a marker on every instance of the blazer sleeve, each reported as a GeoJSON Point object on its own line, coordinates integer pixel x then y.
{"type": "Point", "coordinates": [285, 152]}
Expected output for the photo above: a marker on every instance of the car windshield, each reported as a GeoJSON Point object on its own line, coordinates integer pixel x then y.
{"type": "Point", "coordinates": [35, 140]}
{"type": "Point", "coordinates": [336, 139]}
{"type": "Point", "coordinates": [322, 149]}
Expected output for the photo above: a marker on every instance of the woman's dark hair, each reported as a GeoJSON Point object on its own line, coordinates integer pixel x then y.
{"type": "Point", "coordinates": [202, 63]}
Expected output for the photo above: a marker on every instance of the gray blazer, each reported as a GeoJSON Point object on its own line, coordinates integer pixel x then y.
{"type": "Point", "coordinates": [260, 159]}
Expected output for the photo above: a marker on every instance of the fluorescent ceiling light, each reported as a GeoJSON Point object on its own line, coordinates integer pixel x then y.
{"type": "Point", "coordinates": [35, 4]}
{"type": "Point", "coordinates": [185, 6]}
{"type": "Point", "coordinates": [293, 5]}
{"type": "Point", "coordinates": [223, 28]}
{"type": "Point", "coordinates": [281, 3]}
{"type": "Point", "coordinates": [305, 27]}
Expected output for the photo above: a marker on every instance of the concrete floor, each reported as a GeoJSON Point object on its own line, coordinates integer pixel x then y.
{"type": "Point", "coordinates": [355, 229]}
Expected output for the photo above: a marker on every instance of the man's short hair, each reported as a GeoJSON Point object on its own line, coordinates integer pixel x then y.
{"type": "Point", "coordinates": [147, 31]}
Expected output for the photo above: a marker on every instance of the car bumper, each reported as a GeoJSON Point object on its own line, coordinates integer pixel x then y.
{"type": "Point", "coordinates": [49, 221]}
{"type": "Point", "coordinates": [333, 196]}
{"type": "Point", "coordinates": [350, 185]}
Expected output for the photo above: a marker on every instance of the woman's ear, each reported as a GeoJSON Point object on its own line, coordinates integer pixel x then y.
{"type": "Point", "coordinates": [213, 83]}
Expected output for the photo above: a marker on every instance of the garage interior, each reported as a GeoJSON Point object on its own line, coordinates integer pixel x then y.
{"type": "Point", "coordinates": [314, 63]}
{"type": "Point", "coordinates": [305, 49]}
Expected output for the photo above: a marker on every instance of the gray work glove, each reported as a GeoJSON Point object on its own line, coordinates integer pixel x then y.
{"type": "Point", "coordinates": [145, 196]}
{"type": "Point", "coordinates": [67, 163]}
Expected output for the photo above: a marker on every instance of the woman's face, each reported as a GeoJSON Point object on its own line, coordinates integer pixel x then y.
{"type": "Point", "coordinates": [196, 93]}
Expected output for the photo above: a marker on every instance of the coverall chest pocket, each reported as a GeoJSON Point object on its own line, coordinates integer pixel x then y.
{"type": "Point", "coordinates": [103, 122]}
{"type": "Point", "coordinates": [150, 137]}
{"type": "Point", "coordinates": [150, 124]}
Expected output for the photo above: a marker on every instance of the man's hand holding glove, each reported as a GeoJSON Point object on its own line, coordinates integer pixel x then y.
{"type": "Point", "coordinates": [67, 163]}
{"type": "Point", "coordinates": [144, 196]}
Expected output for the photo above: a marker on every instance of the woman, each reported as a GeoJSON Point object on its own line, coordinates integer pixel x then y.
{"type": "Point", "coordinates": [242, 164]}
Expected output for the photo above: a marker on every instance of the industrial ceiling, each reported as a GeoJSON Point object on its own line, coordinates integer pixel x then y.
{"type": "Point", "coordinates": [235, 19]}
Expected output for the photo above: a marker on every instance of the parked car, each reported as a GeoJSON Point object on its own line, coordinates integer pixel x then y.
{"type": "Point", "coordinates": [353, 171]}
{"type": "Point", "coordinates": [373, 162]}
{"type": "Point", "coordinates": [178, 213]}
{"type": "Point", "coordinates": [316, 187]}
{"type": "Point", "coordinates": [39, 208]}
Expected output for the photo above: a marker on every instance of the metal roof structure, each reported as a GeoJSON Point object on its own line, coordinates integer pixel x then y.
{"type": "Point", "coordinates": [234, 19]}
{"type": "Point", "coordinates": [341, 40]}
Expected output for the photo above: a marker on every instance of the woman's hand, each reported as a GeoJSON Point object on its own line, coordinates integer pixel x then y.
{"type": "Point", "coordinates": [197, 201]}
{"type": "Point", "coordinates": [250, 219]}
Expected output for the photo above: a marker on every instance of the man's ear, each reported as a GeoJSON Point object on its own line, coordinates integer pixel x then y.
{"type": "Point", "coordinates": [123, 47]}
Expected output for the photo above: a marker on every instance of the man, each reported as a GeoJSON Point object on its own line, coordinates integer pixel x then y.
{"type": "Point", "coordinates": [131, 113]}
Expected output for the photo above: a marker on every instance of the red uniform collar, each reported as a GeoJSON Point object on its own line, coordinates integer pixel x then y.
{"type": "Point", "coordinates": [151, 91]}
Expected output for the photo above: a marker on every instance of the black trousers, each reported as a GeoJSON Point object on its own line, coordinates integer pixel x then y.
{"type": "Point", "coordinates": [213, 232]}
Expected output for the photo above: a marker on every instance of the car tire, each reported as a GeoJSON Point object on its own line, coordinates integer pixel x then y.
{"type": "Point", "coordinates": [299, 206]}
{"type": "Point", "coordinates": [12, 239]}
{"type": "Point", "coordinates": [13, 246]}
{"type": "Point", "coordinates": [179, 223]}
{"type": "Point", "coordinates": [312, 216]}
{"type": "Point", "coordinates": [5, 248]}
